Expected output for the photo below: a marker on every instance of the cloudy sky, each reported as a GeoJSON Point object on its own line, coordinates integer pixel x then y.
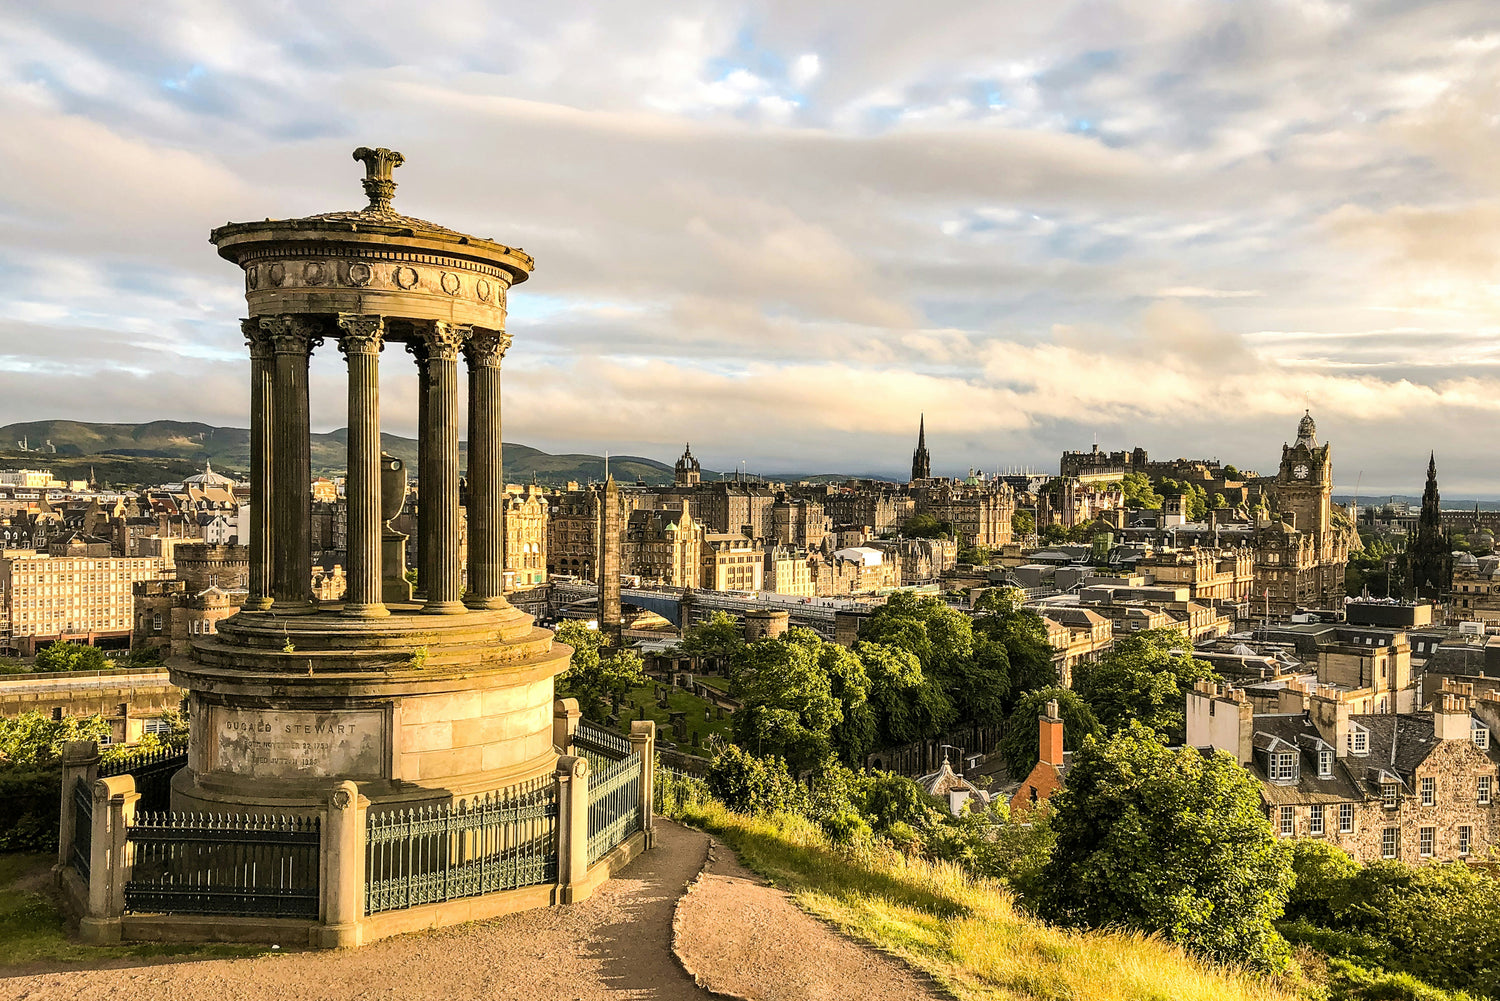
{"type": "Point", "coordinates": [782, 230]}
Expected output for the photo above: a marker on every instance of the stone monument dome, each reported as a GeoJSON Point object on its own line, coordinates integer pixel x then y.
{"type": "Point", "coordinates": [422, 696]}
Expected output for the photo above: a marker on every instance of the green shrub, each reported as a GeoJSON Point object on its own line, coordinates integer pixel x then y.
{"type": "Point", "coordinates": [747, 784]}
{"type": "Point", "coordinates": [29, 801]}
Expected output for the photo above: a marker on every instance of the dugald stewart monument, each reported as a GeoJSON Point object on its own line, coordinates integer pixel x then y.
{"type": "Point", "coordinates": [396, 760]}
{"type": "Point", "coordinates": [414, 699]}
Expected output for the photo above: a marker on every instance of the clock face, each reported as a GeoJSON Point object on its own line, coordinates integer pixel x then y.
{"type": "Point", "coordinates": [1300, 470]}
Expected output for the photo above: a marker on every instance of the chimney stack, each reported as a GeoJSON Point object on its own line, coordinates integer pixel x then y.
{"type": "Point", "coordinates": [1450, 719]}
{"type": "Point", "coordinates": [1050, 750]}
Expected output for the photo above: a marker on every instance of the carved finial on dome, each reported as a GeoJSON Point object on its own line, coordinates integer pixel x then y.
{"type": "Point", "coordinates": [1307, 430]}
{"type": "Point", "coordinates": [379, 186]}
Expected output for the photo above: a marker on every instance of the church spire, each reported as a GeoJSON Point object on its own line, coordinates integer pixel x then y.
{"type": "Point", "coordinates": [921, 461]}
{"type": "Point", "coordinates": [1430, 554]}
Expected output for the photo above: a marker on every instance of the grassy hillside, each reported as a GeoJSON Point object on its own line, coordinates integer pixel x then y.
{"type": "Point", "coordinates": [966, 932]}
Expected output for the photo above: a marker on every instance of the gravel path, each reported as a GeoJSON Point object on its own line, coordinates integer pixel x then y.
{"type": "Point", "coordinates": [744, 938]}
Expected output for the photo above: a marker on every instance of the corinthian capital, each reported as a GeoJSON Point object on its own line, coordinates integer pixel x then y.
{"type": "Point", "coordinates": [485, 348]}
{"type": "Point", "coordinates": [440, 340]}
{"type": "Point", "coordinates": [256, 338]}
{"type": "Point", "coordinates": [361, 333]}
{"type": "Point", "coordinates": [292, 333]}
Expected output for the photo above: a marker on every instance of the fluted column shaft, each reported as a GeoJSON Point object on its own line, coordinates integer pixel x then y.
{"type": "Point", "coordinates": [259, 543]}
{"type": "Point", "coordinates": [484, 350]}
{"type": "Point", "coordinates": [293, 338]}
{"type": "Point", "coordinates": [360, 339]}
{"type": "Point", "coordinates": [438, 489]}
{"type": "Point", "coordinates": [424, 571]}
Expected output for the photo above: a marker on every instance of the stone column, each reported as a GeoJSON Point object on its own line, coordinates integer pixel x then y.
{"type": "Point", "coordinates": [344, 868]}
{"type": "Point", "coordinates": [115, 801]}
{"type": "Point", "coordinates": [418, 348]}
{"type": "Point", "coordinates": [80, 760]}
{"type": "Point", "coordinates": [643, 745]}
{"type": "Point", "coordinates": [572, 776]}
{"type": "Point", "coordinates": [438, 477]}
{"type": "Point", "coordinates": [262, 375]}
{"type": "Point", "coordinates": [483, 351]}
{"type": "Point", "coordinates": [293, 339]}
{"type": "Point", "coordinates": [360, 339]}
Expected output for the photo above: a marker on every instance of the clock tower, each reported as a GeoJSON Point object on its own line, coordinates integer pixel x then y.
{"type": "Point", "coordinates": [1304, 487]}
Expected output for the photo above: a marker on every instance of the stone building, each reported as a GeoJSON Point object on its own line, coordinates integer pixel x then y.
{"type": "Point", "coordinates": [1077, 636]}
{"type": "Point", "coordinates": [918, 561]}
{"type": "Point", "coordinates": [687, 472]}
{"type": "Point", "coordinates": [980, 511]}
{"type": "Point", "coordinates": [1474, 589]}
{"type": "Point", "coordinates": [731, 562]}
{"type": "Point", "coordinates": [788, 572]}
{"type": "Point", "coordinates": [663, 548]}
{"type": "Point", "coordinates": [1210, 574]}
{"type": "Point", "coordinates": [1406, 786]}
{"type": "Point", "coordinates": [209, 584]}
{"type": "Point", "coordinates": [798, 522]}
{"type": "Point", "coordinates": [83, 599]}
{"type": "Point", "coordinates": [524, 521]}
{"type": "Point", "coordinates": [857, 570]}
{"type": "Point", "coordinates": [1300, 559]}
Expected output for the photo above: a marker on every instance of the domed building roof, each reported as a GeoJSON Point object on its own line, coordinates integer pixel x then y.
{"type": "Point", "coordinates": [208, 478]}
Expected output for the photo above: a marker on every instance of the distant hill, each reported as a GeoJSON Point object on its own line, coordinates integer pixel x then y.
{"type": "Point", "coordinates": [163, 451]}
{"type": "Point", "coordinates": [159, 451]}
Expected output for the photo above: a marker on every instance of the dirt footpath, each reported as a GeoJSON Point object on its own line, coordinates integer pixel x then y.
{"type": "Point", "coordinates": [744, 938]}
{"type": "Point", "coordinates": [613, 946]}
{"type": "Point", "coordinates": [741, 936]}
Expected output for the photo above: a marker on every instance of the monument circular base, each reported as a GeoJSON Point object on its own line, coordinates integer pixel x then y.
{"type": "Point", "coordinates": [414, 708]}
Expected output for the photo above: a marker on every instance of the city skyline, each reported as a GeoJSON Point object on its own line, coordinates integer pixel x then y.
{"type": "Point", "coordinates": [783, 233]}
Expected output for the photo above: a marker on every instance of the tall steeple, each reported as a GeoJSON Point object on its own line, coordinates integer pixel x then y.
{"type": "Point", "coordinates": [1431, 553]}
{"type": "Point", "coordinates": [921, 462]}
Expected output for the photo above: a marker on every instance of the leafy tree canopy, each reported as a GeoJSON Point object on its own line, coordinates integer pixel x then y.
{"type": "Point", "coordinates": [788, 706]}
{"type": "Point", "coordinates": [907, 705]}
{"type": "Point", "coordinates": [35, 740]}
{"type": "Point", "coordinates": [925, 526]}
{"type": "Point", "coordinates": [1144, 678]}
{"type": "Point", "coordinates": [720, 637]}
{"type": "Point", "coordinates": [595, 676]}
{"type": "Point", "coordinates": [71, 657]}
{"type": "Point", "coordinates": [1170, 842]}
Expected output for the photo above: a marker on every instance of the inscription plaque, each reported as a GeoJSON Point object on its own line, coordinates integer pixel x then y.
{"type": "Point", "coordinates": [269, 743]}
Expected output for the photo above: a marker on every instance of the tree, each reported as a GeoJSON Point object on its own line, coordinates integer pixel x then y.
{"type": "Point", "coordinates": [1232, 474]}
{"type": "Point", "coordinates": [787, 703]}
{"type": "Point", "coordinates": [720, 640]}
{"type": "Point", "coordinates": [1138, 491]}
{"type": "Point", "coordinates": [907, 705]}
{"type": "Point", "coordinates": [925, 526]}
{"type": "Point", "coordinates": [35, 739]}
{"type": "Point", "coordinates": [1022, 524]}
{"type": "Point", "coordinates": [71, 657]}
{"type": "Point", "coordinates": [1000, 614]}
{"type": "Point", "coordinates": [1144, 678]}
{"type": "Point", "coordinates": [593, 677]}
{"type": "Point", "coordinates": [1022, 734]}
{"type": "Point", "coordinates": [1171, 842]}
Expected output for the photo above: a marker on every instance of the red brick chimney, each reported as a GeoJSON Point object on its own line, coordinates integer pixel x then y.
{"type": "Point", "coordinates": [1051, 749]}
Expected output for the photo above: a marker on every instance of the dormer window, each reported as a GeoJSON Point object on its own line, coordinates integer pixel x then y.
{"type": "Point", "coordinates": [1481, 735]}
{"type": "Point", "coordinates": [1359, 740]}
{"type": "Point", "coordinates": [1283, 767]}
{"type": "Point", "coordinates": [1325, 764]}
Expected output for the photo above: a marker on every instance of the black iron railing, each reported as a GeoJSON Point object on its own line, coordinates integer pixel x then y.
{"type": "Point", "coordinates": [599, 747]}
{"type": "Point", "coordinates": [191, 863]}
{"type": "Point", "coordinates": [501, 841]}
{"type": "Point", "coordinates": [614, 805]}
{"type": "Point", "coordinates": [152, 771]}
{"type": "Point", "coordinates": [83, 828]}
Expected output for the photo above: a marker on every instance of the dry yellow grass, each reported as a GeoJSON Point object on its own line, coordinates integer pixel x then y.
{"type": "Point", "coordinates": [964, 932]}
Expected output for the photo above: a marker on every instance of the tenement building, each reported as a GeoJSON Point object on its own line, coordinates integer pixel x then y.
{"type": "Point", "coordinates": [524, 518]}
{"type": "Point", "coordinates": [81, 599]}
{"type": "Point", "coordinates": [1407, 786]}
{"type": "Point", "coordinates": [663, 548]}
